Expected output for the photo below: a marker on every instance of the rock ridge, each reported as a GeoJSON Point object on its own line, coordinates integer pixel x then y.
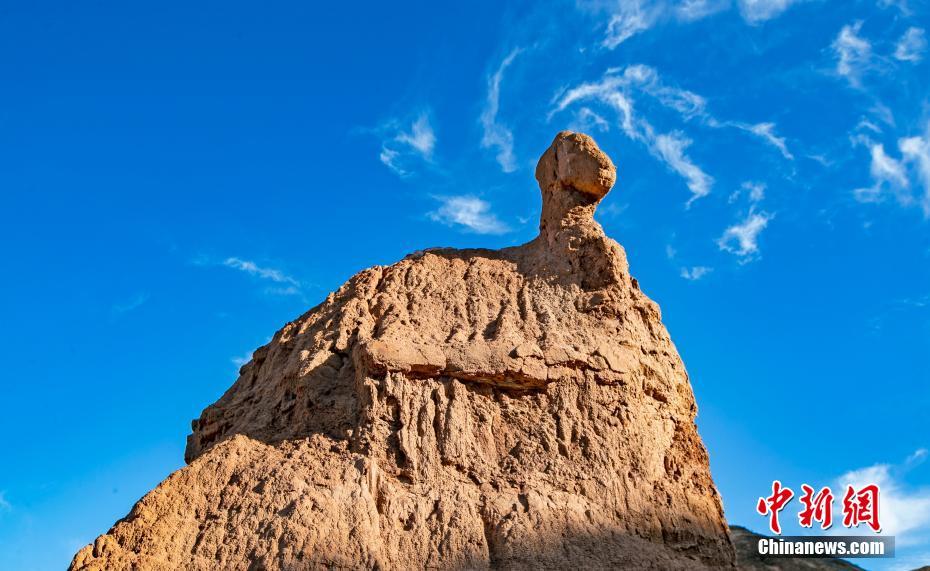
{"type": "Point", "coordinates": [481, 409]}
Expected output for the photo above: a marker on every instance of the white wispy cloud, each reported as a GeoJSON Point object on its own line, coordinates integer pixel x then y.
{"type": "Point", "coordinates": [742, 239]}
{"type": "Point", "coordinates": [420, 137]}
{"type": "Point", "coordinates": [899, 4]}
{"type": "Point", "coordinates": [911, 46]}
{"type": "Point", "coordinates": [917, 457]}
{"type": "Point", "coordinates": [916, 151]}
{"type": "Point", "coordinates": [587, 120]}
{"type": "Point", "coordinates": [615, 90]}
{"type": "Point", "coordinates": [853, 53]}
{"type": "Point", "coordinates": [671, 147]}
{"type": "Point", "coordinates": [893, 176]}
{"type": "Point", "coordinates": [470, 212]}
{"type": "Point", "coordinates": [285, 284]}
{"type": "Point", "coordinates": [628, 19]}
{"type": "Point", "coordinates": [5, 505]}
{"type": "Point", "coordinates": [904, 512]}
{"type": "Point", "coordinates": [635, 78]}
{"type": "Point", "coordinates": [390, 159]}
{"type": "Point", "coordinates": [418, 140]}
{"type": "Point", "coordinates": [642, 78]}
{"type": "Point", "coordinates": [887, 176]}
{"type": "Point", "coordinates": [695, 273]}
{"type": "Point", "coordinates": [883, 113]}
{"type": "Point", "coordinates": [496, 135]}
{"type": "Point", "coordinates": [691, 10]}
{"type": "Point", "coordinates": [754, 191]}
{"type": "Point", "coordinates": [691, 105]}
{"type": "Point", "coordinates": [618, 89]}
{"type": "Point", "coordinates": [766, 131]}
{"type": "Point", "coordinates": [757, 11]}
{"type": "Point", "coordinates": [886, 168]}
{"type": "Point", "coordinates": [866, 125]}
{"type": "Point", "coordinates": [133, 303]}
{"type": "Point", "coordinates": [254, 269]}
{"type": "Point", "coordinates": [687, 103]}
{"type": "Point", "coordinates": [610, 91]}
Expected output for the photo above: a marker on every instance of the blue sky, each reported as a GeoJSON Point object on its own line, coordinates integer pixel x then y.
{"type": "Point", "coordinates": [177, 184]}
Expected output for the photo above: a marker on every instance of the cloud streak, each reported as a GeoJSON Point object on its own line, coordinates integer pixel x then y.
{"type": "Point", "coordinates": [758, 11]}
{"type": "Point", "coordinates": [742, 239]}
{"type": "Point", "coordinates": [285, 284]}
{"type": "Point", "coordinates": [911, 46]}
{"type": "Point", "coordinates": [907, 178]}
{"type": "Point", "coordinates": [695, 273]}
{"type": "Point", "coordinates": [615, 90]}
{"type": "Point", "coordinates": [497, 136]}
{"type": "Point", "coordinates": [853, 53]}
{"type": "Point", "coordinates": [916, 151]}
{"type": "Point", "coordinates": [420, 138]}
{"type": "Point", "coordinates": [671, 147]}
{"type": "Point", "coordinates": [629, 18]}
{"type": "Point", "coordinates": [588, 120]}
{"type": "Point", "coordinates": [693, 10]}
{"type": "Point", "coordinates": [403, 145]}
{"type": "Point", "coordinates": [469, 212]}
{"type": "Point", "coordinates": [254, 269]}
{"type": "Point", "coordinates": [766, 131]}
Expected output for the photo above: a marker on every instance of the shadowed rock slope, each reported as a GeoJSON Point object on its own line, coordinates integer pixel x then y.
{"type": "Point", "coordinates": [748, 558]}
{"type": "Point", "coordinates": [460, 409]}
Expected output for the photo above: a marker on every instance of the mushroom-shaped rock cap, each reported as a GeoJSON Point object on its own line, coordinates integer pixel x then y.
{"type": "Point", "coordinates": [573, 175]}
{"type": "Point", "coordinates": [573, 160]}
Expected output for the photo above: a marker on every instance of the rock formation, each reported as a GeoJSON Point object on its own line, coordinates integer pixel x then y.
{"type": "Point", "coordinates": [460, 409]}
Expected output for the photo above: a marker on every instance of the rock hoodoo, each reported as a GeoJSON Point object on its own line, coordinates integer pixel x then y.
{"type": "Point", "coordinates": [520, 408]}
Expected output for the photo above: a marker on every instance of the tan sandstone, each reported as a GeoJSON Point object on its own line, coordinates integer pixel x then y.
{"type": "Point", "coordinates": [460, 409]}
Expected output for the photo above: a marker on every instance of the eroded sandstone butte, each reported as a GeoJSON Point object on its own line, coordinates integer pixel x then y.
{"type": "Point", "coordinates": [460, 409]}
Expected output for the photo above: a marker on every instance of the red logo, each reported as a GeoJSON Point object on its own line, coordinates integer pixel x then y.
{"type": "Point", "coordinates": [774, 504]}
{"type": "Point", "coordinates": [816, 508]}
{"type": "Point", "coordinates": [859, 506]}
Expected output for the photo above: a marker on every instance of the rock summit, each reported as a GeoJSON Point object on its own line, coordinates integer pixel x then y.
{"type": "Point", "coordinates": [521, 408]}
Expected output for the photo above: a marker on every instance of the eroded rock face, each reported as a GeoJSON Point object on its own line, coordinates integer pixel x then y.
{"type": "Point", "coordinates": [520, 408]}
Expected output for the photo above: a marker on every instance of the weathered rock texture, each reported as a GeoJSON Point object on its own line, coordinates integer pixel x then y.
{"type": "Point", "coordinates": [521, 408]}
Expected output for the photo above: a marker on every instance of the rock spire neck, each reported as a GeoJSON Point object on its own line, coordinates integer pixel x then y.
{"type": "Point", "coordinates": [573, 175]}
